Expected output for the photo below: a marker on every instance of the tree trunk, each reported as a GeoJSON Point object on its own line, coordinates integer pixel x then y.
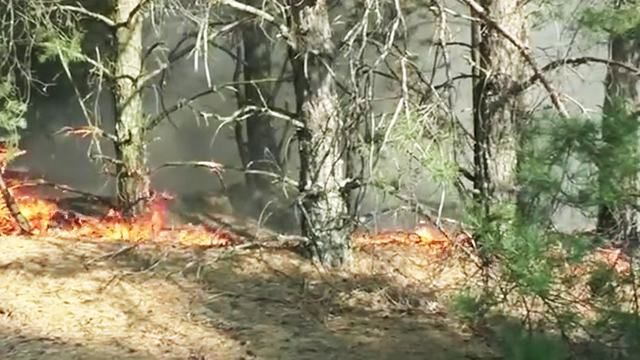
{"type": "Point", "coordinates": [261, 141]}
{"type": "Point", "coordinates": [499, 65]}
{"type": "Point", "coordinates": [131, 153]}
{"type": "Point", "coordinates": [324, 204]}
{"type": "Point", "coordinates": [618, 180]}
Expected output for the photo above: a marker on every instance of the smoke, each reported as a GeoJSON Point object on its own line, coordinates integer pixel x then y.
{"type": "Point", "coordinates": [189, 135]}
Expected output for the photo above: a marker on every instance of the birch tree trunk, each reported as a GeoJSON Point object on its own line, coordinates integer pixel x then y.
{"type": "Point", "coordinates": [324, 204]}
{"type": "Point", "coordinates": [618, 180]}
{"type": "Point", "coordinates": [499, 66]}
{"type": "Point", "coordinates": [131, 153]}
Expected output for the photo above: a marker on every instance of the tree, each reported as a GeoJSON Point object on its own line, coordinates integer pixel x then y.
{"type": "Point", "coordinates": [255, 136]}
{"type": "Point", "coordinates": [124, 70]}
{"type": "Point", "coordinates": [130, 146]}
{"type": "Point", "coordinates": [498, 66]}
{"type": "Point", "coordinates": [324, 203]}
{"type": "Point", "coordinates": [618, 214]}
{"type": "Point", "coordinates": [262, 151]}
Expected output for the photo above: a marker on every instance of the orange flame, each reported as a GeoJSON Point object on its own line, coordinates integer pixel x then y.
{"type": "Point", "coordinates": [46, 217]}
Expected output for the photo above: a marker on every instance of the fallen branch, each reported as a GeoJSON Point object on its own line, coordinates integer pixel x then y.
{"type": "Point", "coordinates": [112, 254]}
{"type": "Point", "coordinates": [67, 189]}
{"type": "Point", "coordinates": [13, 207]}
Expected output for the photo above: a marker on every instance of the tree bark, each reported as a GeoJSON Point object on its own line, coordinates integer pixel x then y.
{"type": "Point", "coordinates": [498, 67]}
{"type": "Point", "coordinates": [132, 180]}
{"type": "Point", "coordinates": [261, 141]}
{"type": "Point", "coordinates": [324, 205]}
{"type": "Point", "coordinates": [618, 215]}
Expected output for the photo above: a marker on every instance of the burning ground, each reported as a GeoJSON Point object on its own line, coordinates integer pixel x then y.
{"type": "Point", "coordinates": [87, 284]}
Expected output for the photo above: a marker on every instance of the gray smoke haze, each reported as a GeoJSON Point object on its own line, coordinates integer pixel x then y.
{"type": "Point", "coordinates": [63, 159]}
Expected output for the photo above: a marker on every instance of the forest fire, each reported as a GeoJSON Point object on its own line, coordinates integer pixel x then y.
{"type": "Point", "coordinates": [45, 217]}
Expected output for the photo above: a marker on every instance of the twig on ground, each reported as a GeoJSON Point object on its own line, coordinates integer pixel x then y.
{"type": "Point", "coordinates": [112, 254]}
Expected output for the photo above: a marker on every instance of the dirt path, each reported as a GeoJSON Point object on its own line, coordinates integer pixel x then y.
{"type": "Point", "coordinates": [70, 300]}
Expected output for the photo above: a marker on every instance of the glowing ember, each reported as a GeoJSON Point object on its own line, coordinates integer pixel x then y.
{"type": "Point", "coordinates": [425, 235]}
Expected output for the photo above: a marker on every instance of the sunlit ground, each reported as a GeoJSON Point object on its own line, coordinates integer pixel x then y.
{"type": "Point", "coordinates": [80, 300]}
{"type": "Point", "coordinates": [103, 287]}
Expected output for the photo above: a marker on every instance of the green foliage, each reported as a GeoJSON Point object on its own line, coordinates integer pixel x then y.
{"type": "Point", "coordinates": [417, 150]}
{"type": "Point", "coordinates": [471, 307]}
{"type": "Point", "coordinates": [576, 163]}
{"type": "Point", "coordinates": [602, 282]}
{"type": "Point", "coordinates": [520, 344]}
{"type": "Point", "coordinates": [55, 44]}
{"type": "Point", "coordinates": [37, 33]}
{"type": "Point", "coordinates": [623, 20]}
{"type": "Point", "coordinates": [12, 113]}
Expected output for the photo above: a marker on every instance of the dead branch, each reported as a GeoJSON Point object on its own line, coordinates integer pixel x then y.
{"type": "Point", "coordinates": [84, 131]}
{"type": "Point", "coordinates": [153, 122]}
{"type": "Point", "coordinates": [577, 61]}
{"type": "Point", "coordinates": [212, 166]}
{"type": "Point", "coordinates": [279, 177]}
{"type": "Point", "coordinates": [112, 254]}
{"type": "Point", "coordinates": [81, 10]}
{"type": "Point", "coordinates": [101, 18]}
{"type": "Point", "coordinates": [175, 55]}
{"type": "Point", "coordinates": [284, 30]}
{"type": "Point", "coordinates": [13, 207]}
{"type": "Point", "coordinates": [524, 52]}
{"type": "Point", "coordinates": [67, 189]}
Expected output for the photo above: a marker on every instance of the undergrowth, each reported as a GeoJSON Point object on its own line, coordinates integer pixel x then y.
{"type": "Point", "coordinates": [549, 294]}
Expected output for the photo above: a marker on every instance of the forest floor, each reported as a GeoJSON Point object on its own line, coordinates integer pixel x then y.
{"type": "Point", "coordinates": [63, 299]}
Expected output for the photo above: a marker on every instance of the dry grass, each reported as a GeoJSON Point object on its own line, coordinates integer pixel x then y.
{"type": "Point", "coordinates": [71, 300]}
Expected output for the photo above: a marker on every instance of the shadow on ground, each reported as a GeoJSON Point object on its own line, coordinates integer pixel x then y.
{"type": "Point", "coordinates": [16, 343]}
{"type": "Point", "coordinates": [92, 301]}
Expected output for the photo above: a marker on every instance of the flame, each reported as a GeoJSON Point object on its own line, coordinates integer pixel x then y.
{"type": "Point", "coordinates": [46, 218]}
{"type": "Point", "coordinates": [425, 234]}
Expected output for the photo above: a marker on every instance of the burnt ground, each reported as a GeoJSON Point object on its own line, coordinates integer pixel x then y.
{"type": "Point", "coordinates": [69, 299]}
